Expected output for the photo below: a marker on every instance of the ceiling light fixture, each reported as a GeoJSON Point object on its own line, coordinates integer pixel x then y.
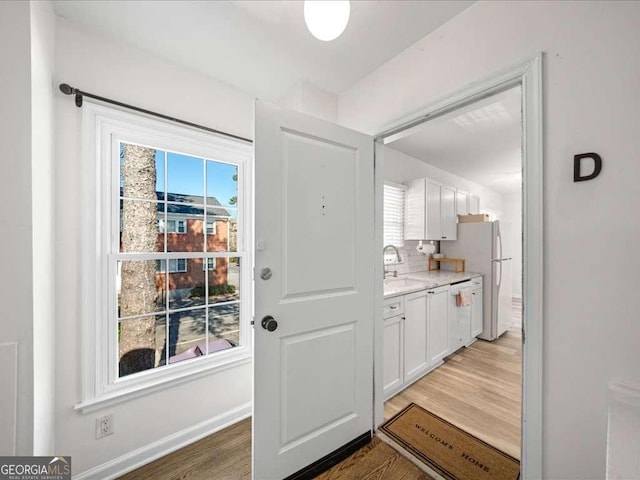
{"type": "Point", "coordinates": [326, 19]}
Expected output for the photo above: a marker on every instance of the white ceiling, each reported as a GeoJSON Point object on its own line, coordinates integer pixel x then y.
{"type": "Point", "coordinates": [263, 47]}
{"type": "Point", "coordinates": [480, 142]}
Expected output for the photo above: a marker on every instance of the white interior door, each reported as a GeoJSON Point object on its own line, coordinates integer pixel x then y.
{"type": "Point", "coordinates": [313, 374]}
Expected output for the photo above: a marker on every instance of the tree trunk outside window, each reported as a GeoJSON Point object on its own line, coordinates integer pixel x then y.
{"type": "Point", "coordinates": [138, 294]}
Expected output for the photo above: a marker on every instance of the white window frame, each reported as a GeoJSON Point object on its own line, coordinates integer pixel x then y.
{"type": "Point", "coordinates": [103, 129]}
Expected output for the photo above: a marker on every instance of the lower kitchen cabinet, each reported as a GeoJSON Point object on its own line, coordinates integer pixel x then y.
{"type": "Point", "coordinates": [438, 324]}
{"type": "Point", "coordinates": [393, 356]}
{"type": "Point", "coordinates": [416, 359]}
{"type": "Point", "coordinates": [414, 325]}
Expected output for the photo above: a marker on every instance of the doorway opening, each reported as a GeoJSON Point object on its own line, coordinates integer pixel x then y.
{"type": "Point", "coordinates": [466, 175]}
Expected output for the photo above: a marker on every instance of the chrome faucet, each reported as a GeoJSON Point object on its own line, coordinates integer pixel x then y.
{"type": "Point", "coordinates": [398, 260]}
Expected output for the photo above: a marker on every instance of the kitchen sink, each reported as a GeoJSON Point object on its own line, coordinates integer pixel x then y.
{"type": "Point", "coordinates": [402, 283]}
{"type": "Point", "coordinates": [398, 286]}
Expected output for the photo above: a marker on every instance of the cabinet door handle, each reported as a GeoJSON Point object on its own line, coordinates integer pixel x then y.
{"type": "Point", "coordinates": [395, 307]}
{"type": "Point", "coordinates": [444, 237]}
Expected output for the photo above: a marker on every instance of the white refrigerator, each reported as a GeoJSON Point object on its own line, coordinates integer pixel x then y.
{"type": "Point", "coordinates": [486, 248]}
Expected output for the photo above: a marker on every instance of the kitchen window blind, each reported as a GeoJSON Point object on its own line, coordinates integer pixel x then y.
{"type": "Point", "coordinates": [394, 215]}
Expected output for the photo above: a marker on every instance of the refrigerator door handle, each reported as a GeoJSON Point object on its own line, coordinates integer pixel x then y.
{"type": "Point", "coordinates": [499, 236]}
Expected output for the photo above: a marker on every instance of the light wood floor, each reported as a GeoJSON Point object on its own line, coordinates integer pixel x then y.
{"type": "Point", "coordinates": [478, 389]}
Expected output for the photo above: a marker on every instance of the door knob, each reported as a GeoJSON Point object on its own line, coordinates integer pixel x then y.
{"type": "Point", "coordinates": [269, 323]}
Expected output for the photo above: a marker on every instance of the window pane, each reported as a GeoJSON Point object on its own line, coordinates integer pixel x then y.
{"type": "Point", "coordinates": [187, 336]}
{"type": "Point", "coordinates": [186, 283]}
{"type": "Point", "coordinates": [141, 344]}
{"type": "Point", "coordinates": [186, 234]}
{"type": "Point", "coordinates": [222, 184]}
{"type": "Point", "coordinates": [185, 178]}
{"type": "Point", "coordinates": [224, 327]}
{"type": "Point", "coordinates": [141, 172]}
{"type": "Point", "coordinates": [140, 287]}
{"type": "Point", "coordinates": [140, 226]}
{"type": "Point", "coordinates": [221, 230]}
{"type": "Point", "coordinates": [224, 279]}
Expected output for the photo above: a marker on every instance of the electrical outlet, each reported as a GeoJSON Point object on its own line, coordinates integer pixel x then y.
{"type": "Point", "coordinates": [104, 426]}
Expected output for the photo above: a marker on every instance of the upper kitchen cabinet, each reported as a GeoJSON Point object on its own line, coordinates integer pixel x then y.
{"type": "Point", "coordinates": [467, 204]}
{"type": "Point", "coordinates": [462, 203]}
{"type": "Point", "coordinates": [430, 211]}
{"type": "Point", "coordinates": [474, 204]}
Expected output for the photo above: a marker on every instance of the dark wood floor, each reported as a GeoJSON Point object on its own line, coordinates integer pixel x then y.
{"type": "Point", "coordinates": [225, 455]}
{"type": "Point", "coordinates": [477, 389]}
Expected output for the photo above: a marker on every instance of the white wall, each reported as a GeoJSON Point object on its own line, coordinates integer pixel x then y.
{"type": "Point", "coordinates": [42, 57]}
{"type": "Point", "coordinates": [305, 97]}
{"type": "Point", "coordinates": [16, 281]}
{"type": "Point", "coordinates": [513, 214]}
{"type": "Point", "coordinates": [592, 263]}
{"type": "Point", "coordinates": [114, 70]}
{"type": "Point", "coordinates": [399, 167]}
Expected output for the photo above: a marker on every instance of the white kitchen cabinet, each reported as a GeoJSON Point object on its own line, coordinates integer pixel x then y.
{"type": "Point", "coordinates": [430, 211]}
{"type": "Point", "coordinates": [393, 346]}
{"type": "Point", "coordinates": [474, 204]}
{"type": "Point", "coordinates": [416, 359]}
{"type": "Point", "coordinates": [467, 204]}
{"type": "Point", "coordinates": [393, 355]}
{"type": "Point", "coordinates": [434, 212]}
{"type": "Point", "coordinates": [438, 324]}
{"type": "Point", "coordinates": [462, 203]}
{"type": "Point", "coordinates": [476, 308]}
{"type": "Point", "coordinates": [448, 216]}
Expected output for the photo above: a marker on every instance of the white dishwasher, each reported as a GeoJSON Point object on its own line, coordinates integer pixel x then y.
{"type": "Point", "coordinates": [459, 318]}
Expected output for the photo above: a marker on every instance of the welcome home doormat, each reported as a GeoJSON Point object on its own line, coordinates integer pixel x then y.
{"type": "Point", "coordinates": [453, 453]}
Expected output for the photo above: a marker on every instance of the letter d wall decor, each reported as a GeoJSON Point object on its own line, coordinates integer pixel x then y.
{"type": "Point", "coordinates": [577, 163]}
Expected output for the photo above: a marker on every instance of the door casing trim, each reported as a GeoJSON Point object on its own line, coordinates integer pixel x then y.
{"type": "Point", "coordinates": [527, 74]}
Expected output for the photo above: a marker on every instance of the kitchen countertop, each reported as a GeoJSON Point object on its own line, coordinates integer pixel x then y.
{"type": "Point", "coordinates": [414, 282]}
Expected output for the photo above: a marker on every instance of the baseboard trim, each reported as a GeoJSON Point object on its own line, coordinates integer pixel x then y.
{"type": "Point", "coordinates": [144, 455]}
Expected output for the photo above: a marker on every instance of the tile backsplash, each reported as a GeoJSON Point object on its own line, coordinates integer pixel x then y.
{"type": "Point", "coordinates": [412, 260]}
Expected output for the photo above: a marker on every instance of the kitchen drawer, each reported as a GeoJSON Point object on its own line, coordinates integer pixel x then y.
{"type": "Point", "coordinates": [392, 307]}
{"type": "Point", "coordinates": [476, 282]}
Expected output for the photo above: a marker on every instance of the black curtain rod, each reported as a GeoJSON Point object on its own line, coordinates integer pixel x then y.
{"type": "Point", "coordinates": [69, 90]}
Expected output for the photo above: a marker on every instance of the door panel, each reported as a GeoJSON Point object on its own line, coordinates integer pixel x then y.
{"type": "Point", "coordinates": [462, 207]}
{"type": "Point", "coordinates": [313, 374]}
{"type": "Point", "coordinates": [317, 219]}
{"type": "Point", "coordinates": [323, 387]}
{"type": "Point", "coordinates": [448, 213]}
{"type": "Point", "coordinates": [415, 335]}
{"type": "Point", "coordinates": [393, 342]}
{"type": "Point", "coordinates": [433, 223]}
